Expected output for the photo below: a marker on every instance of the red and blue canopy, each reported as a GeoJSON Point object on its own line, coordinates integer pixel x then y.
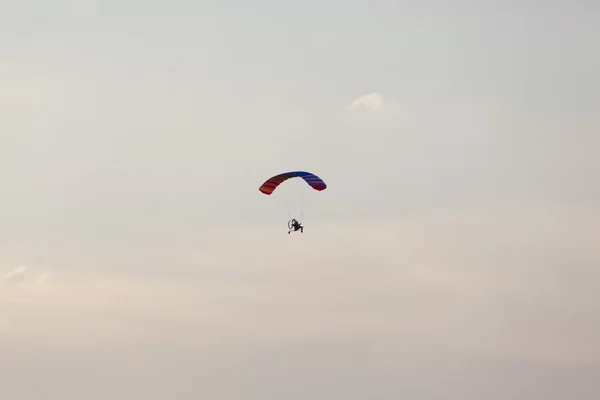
{"type": "Point", "coordinates": [271, 184]}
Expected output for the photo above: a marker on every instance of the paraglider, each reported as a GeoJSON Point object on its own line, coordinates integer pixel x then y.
{"type": "Point", "coordinates": [269, 186]}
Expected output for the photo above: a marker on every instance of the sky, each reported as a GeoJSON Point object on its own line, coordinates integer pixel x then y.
{"type": "Point", "coordinates": [454, 254]}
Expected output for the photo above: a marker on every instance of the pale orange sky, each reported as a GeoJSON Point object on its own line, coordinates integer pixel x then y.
{"type": "Point", "coordinates": [453, 256]}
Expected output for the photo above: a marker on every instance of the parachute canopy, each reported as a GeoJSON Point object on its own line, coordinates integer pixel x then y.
{"type": "Point", "coordinates": [271, 184]}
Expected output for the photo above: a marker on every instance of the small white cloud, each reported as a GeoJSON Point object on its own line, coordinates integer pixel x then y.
{"type": "Point", "coordinates": [373, 108]}
{"type": "Point", "coordinates": [16, 276]}
{"type": "Point", "coordinates": [371, 102]}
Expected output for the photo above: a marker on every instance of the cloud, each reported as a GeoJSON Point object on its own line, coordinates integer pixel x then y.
{"type": "Point", "coordinates": [16, 276]}
{"type": "Point", "coordinates": [370, 102]}
{"type": "Point", "coordinates": [431, 294]}
{"type": "Point", "coordinates": [349, 274]}
{"type": "Point", "coordinates": [374, 108]}
{"type": "Point", "coordinates": [22, 277]}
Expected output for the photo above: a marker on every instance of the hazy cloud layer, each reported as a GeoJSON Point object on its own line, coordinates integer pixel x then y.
{"type": "Point", "coordinates": [500, 296]}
